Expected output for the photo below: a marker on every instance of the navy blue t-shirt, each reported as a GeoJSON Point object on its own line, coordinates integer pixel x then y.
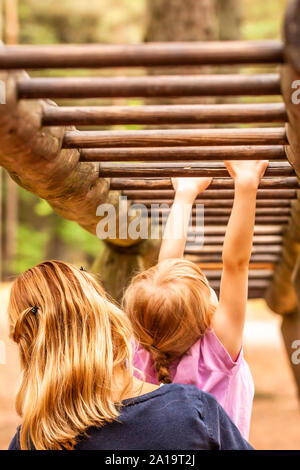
{"type": "Point", "coordinates": [173, 417]}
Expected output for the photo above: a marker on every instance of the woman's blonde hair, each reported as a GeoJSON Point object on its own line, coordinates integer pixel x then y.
{"type": "Point", "coordinates": [70, 347]}
{"type": "Point", "coordinates": [169, 308]}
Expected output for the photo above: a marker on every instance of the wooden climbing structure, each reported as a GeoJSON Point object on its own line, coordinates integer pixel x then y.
{"type": "Point", "coordinates": [76, 170]}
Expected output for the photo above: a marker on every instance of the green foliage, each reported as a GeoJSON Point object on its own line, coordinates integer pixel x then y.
{"type": "Point", "coordinates": [31, 247]}
{"type": "Point", "coordinates": [44, 234]}
{"type": "Point", "coordinates": [42, 208]}
{"type": "Point", "coordinates": [69, 21]}
{"type": "Point", "coordinates": [78, 238]}
{"type": "Point", "coordinates": [263, 19]}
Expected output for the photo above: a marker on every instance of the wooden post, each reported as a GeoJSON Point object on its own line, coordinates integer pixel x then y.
{"type": "Point", "coordinates": [282, 295]}
{"type": "Point", "coordinates": [116, 264]}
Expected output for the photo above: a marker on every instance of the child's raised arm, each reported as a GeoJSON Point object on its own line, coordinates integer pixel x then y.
{"type": "Point", "coordinates": [230, 314]}
{"type": "Point", "coordinates": [186, 191]}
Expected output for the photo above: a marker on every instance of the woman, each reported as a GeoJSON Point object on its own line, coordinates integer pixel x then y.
{"type": "Point", "coordinates": [78, 390]}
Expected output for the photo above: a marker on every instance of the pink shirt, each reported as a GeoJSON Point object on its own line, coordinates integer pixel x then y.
{"type": "Point", "coordinates": [208, 365]}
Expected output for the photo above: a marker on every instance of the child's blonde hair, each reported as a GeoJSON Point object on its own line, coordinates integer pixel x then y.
{"type": "Point", "coordinates": [169, 308]}
{"type": "Point", "coordinates": [70, 347]}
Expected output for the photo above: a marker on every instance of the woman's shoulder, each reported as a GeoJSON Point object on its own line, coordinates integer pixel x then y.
{"type": "Point", "coordinates": [15, 442]}
{"type": "Point", "coordinates": [175, 397]}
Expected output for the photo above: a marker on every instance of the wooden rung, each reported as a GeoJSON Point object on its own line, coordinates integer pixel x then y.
{"type": "Point", "coordinates": [150, 86]}
{"type": "Point", "coordinates": [219, 266]}
{"type": "Point", "coordinates": [139, 55]}
{"type": "Point", "coordinates": [175, 137]}
{"type": "Point", "coordinates": [205, 169]}
{"type": "Point", "coordinates": [210, 194]}
{"type": "Point", "coordinates": [253, 274]}
{"type": "Point", "coordinates": [265, 220]}
{"type": "Point", "coordinates": [164, 114]}
{"type": "Point", "coordinates": [213, 249]}
{"type": "Point", "coordinates": [257, 240]}
{"type": "Point", "coordinates": [253, 284]}
{"type": "Point", "coordinates": [217, 258]}
{"type": "Point", "coordinates": [256, 293]}
{"type": "Point", "coordinates": [176, 169]}
{"type": "Point", "coordinates": [259, 230]}
{"type": "Point", "coordinates": [213, 203]}
{"type": "Point", "coordinates": [220, 211]}
{"type": "Point", "coordinates": [217, 183]}
{"type": "Point", "coordinates": [140, 154]}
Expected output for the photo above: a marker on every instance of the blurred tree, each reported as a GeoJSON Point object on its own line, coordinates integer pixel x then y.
{"type": "Point", "coordinates": [230, 15]}
{"type": "Point", "coordinates": [11, 188]}
{"type": "Point", "coordinates": [175, 20]}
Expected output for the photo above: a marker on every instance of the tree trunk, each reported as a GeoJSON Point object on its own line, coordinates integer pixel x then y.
{"type": "Point", "coordinates": [230, 14]}
{"type": "Point", "coordinates": [116, 265]}
{"type": "Point", "coordinates": [177, 20]}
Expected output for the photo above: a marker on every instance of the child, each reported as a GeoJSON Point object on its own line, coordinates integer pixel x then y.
{"type": "Point", "coordinates": [185, 335]}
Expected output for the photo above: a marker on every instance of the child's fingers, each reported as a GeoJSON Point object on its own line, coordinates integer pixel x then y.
{"type": "Point", "coordinates": [263, 166]}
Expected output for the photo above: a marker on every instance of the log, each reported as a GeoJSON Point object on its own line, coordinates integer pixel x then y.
{"type": "Point", "coordinates": [175, 138]}
{"type": "Point", "coordinates": [217, 202]}
{"type": "Point", "coordinates": [73, 189]}
{"type": "Point", "coordinates": [164, 114]}
{"type": "Point", "coordinates": [141, 55]}
{"type": "Point", "coordinates": [217, 183]}
{"type": "Point", "coordinates": [209, 194]}
{"type": "Point", "coordinates": [150, 86]}
{"type": "Point", "coordinates": [175, 169]}
{"type": "Point", "coordinates": [232, 152]}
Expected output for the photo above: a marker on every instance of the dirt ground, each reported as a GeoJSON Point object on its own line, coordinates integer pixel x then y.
{"type": "Point", "coordinates": [276, 411]}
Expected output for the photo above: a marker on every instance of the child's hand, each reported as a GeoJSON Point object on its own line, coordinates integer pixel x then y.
{"type": "Point", "coordinates": [191, 185]}
{"type": "Point", "coordinates": [249, 172]}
